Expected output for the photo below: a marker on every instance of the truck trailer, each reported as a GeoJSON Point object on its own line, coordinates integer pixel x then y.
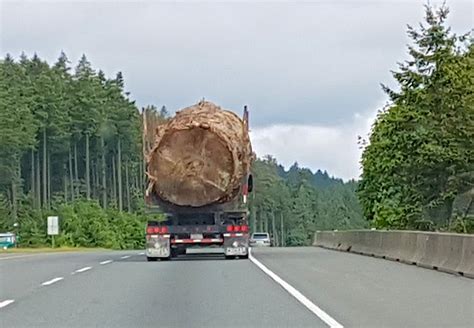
{"type": "Point", "coordinates": [198, 175]}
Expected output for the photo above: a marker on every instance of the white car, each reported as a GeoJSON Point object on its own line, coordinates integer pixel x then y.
{"type": "Point", "coordinates": [260, 239]}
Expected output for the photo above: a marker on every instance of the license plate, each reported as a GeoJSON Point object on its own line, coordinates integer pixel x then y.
{"type": "Point", "coordinates": [196, 236]}
{"type": "Point", "coordinates": [236, 251]}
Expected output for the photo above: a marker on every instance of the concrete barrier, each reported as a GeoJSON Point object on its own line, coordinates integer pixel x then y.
{"type": "Point", "coordinates": [448, 252]}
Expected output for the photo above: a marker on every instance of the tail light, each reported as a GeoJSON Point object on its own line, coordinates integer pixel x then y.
{"type": "Point", "coordinates": [237, 228]}
{"type": "Point", "coordinates": [157, 230]}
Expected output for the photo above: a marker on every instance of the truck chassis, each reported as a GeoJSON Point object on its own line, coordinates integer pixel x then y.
{"type": "Point", "coordinates": [226, 231]}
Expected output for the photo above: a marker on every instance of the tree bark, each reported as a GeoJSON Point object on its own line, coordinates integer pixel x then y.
{"type": "Point", "coordinates": [48, 203]}
{"type": "Point", "coordinates": [253, 221]}
{"type": "Point", "coordinates": [142, 175]}
{"type": "Point", "coordinates": [283, 243]}
{"type": "Point", "coordinates": [96, 180]}
{"type": "Point", "coordinates": [266, 222]}
{"type": "Point", "coordinates": [274, 231]}
{"type": "Point", "coordinates": [65, 182]}
{"type": "Point", "coordinates": [38, 181]}
{"type": "Point", "coordinates": [14, 186]}
{"type": "Point", "coordinates": [93, 180]}
{"type": "Point", "coordinates": [103, 173]}
{"type": "Point", "coordinates": [136, 183]}
{"type": "Point", "coordinates": [119, 174]}
{"type": "Point", "coordinates": [33, 187]}
{"type": "Point", "coordinates": [45, 185]}
{"type": "Point", "coordinates": [88, 182]}
{"type": "Point", "coordinates": [127, 188]}
{"type": "Point", "coordinates": [114, 181]}
{"type": "Point", "coordinates": [76, 173]}
{"type": "Point", "coordinates": [71, 179]}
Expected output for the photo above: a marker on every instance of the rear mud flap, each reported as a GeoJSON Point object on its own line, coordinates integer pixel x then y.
{"type": "Point", "coordinates": [236, 246]}
{"type": "Point", "coordinates": [158, 247]}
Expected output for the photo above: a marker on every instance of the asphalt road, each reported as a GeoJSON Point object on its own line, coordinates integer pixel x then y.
{"type": "Point", "coordinates": [76, 290]}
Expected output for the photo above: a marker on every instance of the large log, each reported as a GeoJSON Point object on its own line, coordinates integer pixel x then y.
{"type": "Point", "coordinates": [201, 157]}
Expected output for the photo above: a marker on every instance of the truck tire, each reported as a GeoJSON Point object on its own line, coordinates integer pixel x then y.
{"type": "Point", "coordinates": [151, 259]}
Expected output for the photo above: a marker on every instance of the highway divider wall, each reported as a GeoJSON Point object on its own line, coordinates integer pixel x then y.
{"type": "Point", "coordinates": [448, 252]}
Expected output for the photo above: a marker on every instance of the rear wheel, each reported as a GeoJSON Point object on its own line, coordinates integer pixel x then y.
{"type": "Point", "coordinates": [151, 259]}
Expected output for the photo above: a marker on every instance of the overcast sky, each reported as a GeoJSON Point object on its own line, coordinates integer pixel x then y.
{"type": "Point", "coordinates": [309, 71]}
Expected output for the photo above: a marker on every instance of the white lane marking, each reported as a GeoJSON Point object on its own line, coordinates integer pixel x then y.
{"type": "Point", "coordinates": [331, 322]}
{"type": "Point", "coordinates": [142, 253]}
{"type": "Point", "coordinates": [52, 281]}
{"type": "Point", "coordinates": [5, 303]}
{"type": "Point", "coordinates": [83, 269]}
{"type": "Point", "coordinates": [106, 262]}
{"type": "Point", "coordinates": [125, 257]}
{"type": "Point", "coordinates": [17, 257]}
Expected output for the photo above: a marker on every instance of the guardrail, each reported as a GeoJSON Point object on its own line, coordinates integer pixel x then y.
{"type": "Point", "coordinates": [448, 252]}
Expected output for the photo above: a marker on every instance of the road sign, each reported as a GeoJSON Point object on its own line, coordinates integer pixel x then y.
{"type": "Point", "coordinates": [53, 225]}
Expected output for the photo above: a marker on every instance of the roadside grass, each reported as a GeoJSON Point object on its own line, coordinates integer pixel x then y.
{"type": "Point", "coordinates": [51, 250]}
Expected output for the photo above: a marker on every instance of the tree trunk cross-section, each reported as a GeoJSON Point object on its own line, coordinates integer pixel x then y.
{"type": "Point", "coordinates": [200, 157]}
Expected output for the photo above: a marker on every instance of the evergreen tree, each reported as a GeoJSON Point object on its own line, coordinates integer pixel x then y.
{"type": "Point", "coordinates": [421, 146]}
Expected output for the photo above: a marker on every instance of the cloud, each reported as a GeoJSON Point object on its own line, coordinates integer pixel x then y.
{"type": "Point", "coordinates": [313, 62]}
{"type": "Point", "coordinates": [309, 71]}
{"type": "Point", "coordinates": [331, 148]}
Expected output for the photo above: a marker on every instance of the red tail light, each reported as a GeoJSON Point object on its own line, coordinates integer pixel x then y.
{"type": "Point", "coordinates": [236, 228]}
{"type": "Point", "coordinates": [245, 228]}
{"type": "Point", "coordinates": [157, 230]}
{"type": "Point", "coordinates": [230, 228]}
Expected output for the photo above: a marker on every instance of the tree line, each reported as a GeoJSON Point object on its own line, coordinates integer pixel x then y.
{"type": "Point", "coordinates": [292, 204]}
{"type": "Point", "coordinates": [65, 136]}
{"type": "Point", "coordinates": [71, 144]}
{"type": "Point", "coordinates": [418, 164]}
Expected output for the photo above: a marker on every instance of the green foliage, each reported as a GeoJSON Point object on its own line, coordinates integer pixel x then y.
{"type": "Point", "coordinates": [84, 224]}
{"type": "Point", "coordinates": [420, 153]}
{"type": "Point", "coordinates": [45, 115]}
{"type": "Point", "coordinates": [291, 205]}
{"type": "Point", "coordinates": [60, 135]}
{"type": "Point", "coordinates": [71, 146]}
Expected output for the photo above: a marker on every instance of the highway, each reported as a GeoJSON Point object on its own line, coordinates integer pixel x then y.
{"type": "Point", "coordinates": [321, 288]}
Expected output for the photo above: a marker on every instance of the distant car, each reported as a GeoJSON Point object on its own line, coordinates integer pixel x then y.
{"type": "Point", "coordinates": [7, 240]}
{"type": "Point", "coordinates": [260, 239]}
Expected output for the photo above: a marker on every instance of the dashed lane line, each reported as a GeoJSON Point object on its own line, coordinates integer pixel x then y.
{"type": "Point", "coordinates": [82, 269]}
{"type": "Point", "coordinates": [5, 303]}
{"type": "Point", "coordinates": [106, 262]}
{"type": "Point", "coordinates": [52, 281]}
